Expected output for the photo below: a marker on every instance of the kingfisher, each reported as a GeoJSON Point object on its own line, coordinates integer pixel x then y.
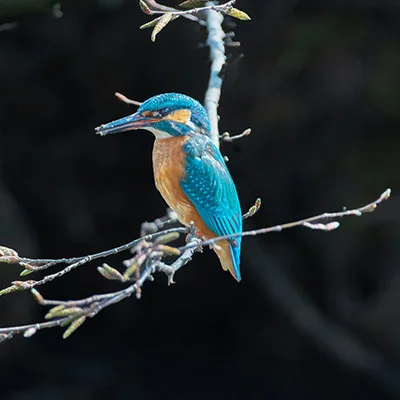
{"type": "Point", "coordinates": [189, 170]}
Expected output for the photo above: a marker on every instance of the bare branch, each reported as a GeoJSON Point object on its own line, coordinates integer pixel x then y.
{"type": "Point", "coordinates": [72, 263]}
{"type": "Point", "coordinates": [315, 222]}
{"type": "Point", "coordinates": [226, 136]}
{"type": "Point", "coordinates": [169, 14]}
{"type": "Point", "coordinates": [155, 8]}
{"type": "Point", "coordinates": [215, 41]}
{"type": "Point", "coordinates": [213, 7]}
{"type": "Point", "coordinates": [73, 313]}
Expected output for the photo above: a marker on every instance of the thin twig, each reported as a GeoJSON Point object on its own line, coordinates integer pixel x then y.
{"type": "Point", "coordinates": [311, 222]}
{"type": "Point", "coordinates": [96, 303]}
{"type": "Point", "coordinates": [226, 136]}
{"type": "Point", "coordinates": [8, 333]}
{"type": "Point", "coordinates": [101, 254]}
{"type": "Point", "coordinates": [185, 257]}
{"type": "Point", "coordinates": [156, 8]}
{"type": "Point", "coordinates": [126, 100]}
{"type": "Point", "coordinates": [75, 262]}
{"type": "Point", "coordinates": [213, 7]}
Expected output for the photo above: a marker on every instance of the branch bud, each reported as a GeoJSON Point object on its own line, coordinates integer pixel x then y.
{"type": "Point", "coordinates": [62, 311]}
{"type": "Point", "coordinates": [254, 208]}
{"type": "Point", "coordinates": [37, 296]}
{"type": "Point", "coordinates": [385, 195]}
{"type": "Point", "coordinates": [23, 285]}
{"type": "Point", "coordinates": [169, 250]}
{"type": "Point", "coordinates": [169, 237]}
{"type": "Point", "coordinates": [9, 259]}
{"type": "Point", "coordinates": [150, 24]}
{"type": "Point", "coordinates": [74, 326]}
{"type": "Point", "coordinates": [236, 13]}
{"type": "Point", "coordinates": [6, 251]}
{"type": "Point", "coordinates": [30, 332]}
{"type": "Point", "coordinates": [132, 265]}
{"type": "Point", "coordinates": [161, 24]}
{"type": "Point", "coordinates": [8, 290]}
{"type": "Point", "coordinates": [192, 3]}
{"type": "Point", "coordinates": [3, 337]}
{"type": "Point", "coordinates": [110, 273]}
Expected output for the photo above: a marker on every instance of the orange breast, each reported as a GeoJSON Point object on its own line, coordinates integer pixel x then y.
{"type": "Point", "coordinates": [169, 168]}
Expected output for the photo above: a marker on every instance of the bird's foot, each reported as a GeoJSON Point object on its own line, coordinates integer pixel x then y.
{"type": "Point", "coordinates": [215, 247]}
{"type": "Point", "coordinates": [193, 233]}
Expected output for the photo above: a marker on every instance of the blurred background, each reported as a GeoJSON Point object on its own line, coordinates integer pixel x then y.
{"type": "Point", "coordinates": [317, 315]}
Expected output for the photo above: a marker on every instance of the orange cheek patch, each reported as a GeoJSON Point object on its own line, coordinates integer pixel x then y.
{"type": "Point", "coordinates": [182, 116]}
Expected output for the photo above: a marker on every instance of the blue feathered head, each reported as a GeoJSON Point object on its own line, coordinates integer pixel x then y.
{"type": "Point", "coordinates": [166, 115]}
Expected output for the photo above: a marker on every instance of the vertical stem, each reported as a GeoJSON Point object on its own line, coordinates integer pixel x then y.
{"type": "Point", "coordinates": [215, 41]}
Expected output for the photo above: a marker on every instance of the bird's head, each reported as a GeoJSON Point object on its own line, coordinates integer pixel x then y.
{"type": "Point", "coordinates": [166, 115]}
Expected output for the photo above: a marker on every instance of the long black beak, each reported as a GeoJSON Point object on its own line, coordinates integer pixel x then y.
{"type": "Point", "coordinates": [134, 121]}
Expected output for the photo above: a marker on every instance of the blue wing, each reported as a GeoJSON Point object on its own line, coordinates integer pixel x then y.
{"type": "Point", "coordinates": [209, 186]}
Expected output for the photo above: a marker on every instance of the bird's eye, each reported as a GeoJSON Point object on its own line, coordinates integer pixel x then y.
{"type": "Point", "coordinates": [164, 111]}
{"type": "Point", "coordinates": [151, 114]}
{"type": "Point", "coordinates": [157, 114]}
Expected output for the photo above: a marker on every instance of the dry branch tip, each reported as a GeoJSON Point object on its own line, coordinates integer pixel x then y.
{"type": "Point", "coordinates": [126, 100]}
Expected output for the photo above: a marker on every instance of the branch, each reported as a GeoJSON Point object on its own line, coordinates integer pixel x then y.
{"type": "Point", "coordinates": [159, 9]}
{"type": "Point", "coordinates": [226, 136]}
{"type": "Point", "coordinates": [215, 41]}
{"type": "Point", "coordinates": [151, 7]}
{"type": "Point", "coordinates": [30, 265]}
{"type": "Point", "coordinates": [73, 313]}
{"type": "Point", "coordinates": [315, 222]}
{"type": "Point", "coordinates": [168, 14]}
{"type": "Point", "coordinates": [149, 251]}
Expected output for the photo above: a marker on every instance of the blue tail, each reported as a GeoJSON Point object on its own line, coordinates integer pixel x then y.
{"type": "Point", "coordinates": [235, 253]}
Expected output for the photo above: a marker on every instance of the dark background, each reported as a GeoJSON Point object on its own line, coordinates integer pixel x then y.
{"type": "Point", "coordinates": [317, 315]}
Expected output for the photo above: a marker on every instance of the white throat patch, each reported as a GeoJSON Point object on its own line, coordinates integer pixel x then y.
{"type": "Point", "coordinates": [157, 133]}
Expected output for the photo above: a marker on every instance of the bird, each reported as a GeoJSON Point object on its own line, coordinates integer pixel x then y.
{"type": "Point", "coordinates": [190, 171]}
